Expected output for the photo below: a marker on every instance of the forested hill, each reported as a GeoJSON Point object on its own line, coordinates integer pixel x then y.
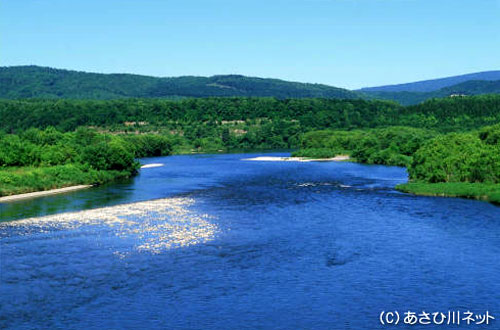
{"type": "Point", "coordinates": [468, 88]}
{"type": "Point", "coordinates": [42, 82]}
{"type": "Point", "coordinates": [435, 84]}
{"type": "Point", "coordinates": [23, 82]}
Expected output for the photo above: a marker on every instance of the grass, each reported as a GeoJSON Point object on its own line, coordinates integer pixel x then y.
{"type": "Point", "coordinates": [19, 180]}
{"type": "Point", "coordinates": [482, 191]}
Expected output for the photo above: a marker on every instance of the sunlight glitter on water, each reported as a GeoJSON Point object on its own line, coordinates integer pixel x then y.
{"type": "Point", "coordinates": [156, 225]}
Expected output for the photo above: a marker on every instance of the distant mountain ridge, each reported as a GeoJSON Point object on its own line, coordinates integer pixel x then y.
{"type": "Point", "coordinates": [468, 88]}
{"type": "Point", "coordinates": [434, 84]}
{"type": "Point", "coordinates": [44, 82]}
{"type": "Point", "coordinates": [48, 83]}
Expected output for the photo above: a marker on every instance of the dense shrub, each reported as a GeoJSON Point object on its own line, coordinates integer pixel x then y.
{"type": "Point", "coordinates": [50, 147]}
{"type": "Point", "coordinates": [149, 145]}
{"type": "Point", "coordinates": [465, 157]}
{"type": "Point", "coordinates": [389, 146]}
{"type": "Point", "coordinates": [26, 179]}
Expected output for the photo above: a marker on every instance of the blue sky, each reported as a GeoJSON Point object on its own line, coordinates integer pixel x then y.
{"type": "Point", "coordinates": [346, 43]}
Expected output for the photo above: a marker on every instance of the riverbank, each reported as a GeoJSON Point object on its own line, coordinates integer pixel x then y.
{"type": "Point", "coordinates": [14, 198]}
{"type": "Point", "coordinates": [298, 159]}
{"type": "Point", "coordinates": [15, 181]}
{"type": "Point", "coordinates": [480, 191]}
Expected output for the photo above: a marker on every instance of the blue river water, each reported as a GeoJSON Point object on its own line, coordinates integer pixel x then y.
{"type": "Point", "coordinates": [218, 242]}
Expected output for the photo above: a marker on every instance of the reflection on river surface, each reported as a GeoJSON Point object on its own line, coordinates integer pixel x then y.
{"type": "Point", "coordinates": [211, 242]}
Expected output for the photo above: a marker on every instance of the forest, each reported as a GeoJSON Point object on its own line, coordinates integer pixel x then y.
{"type": "Point", "coordinates": [393, 146]}
{"type": "Point", "coordinates": [46, 159]}
{"type": "Point", "coordinates": [102, 139]}
{"type": "Point", "coordinates": [445, 114]}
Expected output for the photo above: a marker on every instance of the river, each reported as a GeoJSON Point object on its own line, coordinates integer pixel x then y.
{"type": "Point", "coordinates": [217, 242]}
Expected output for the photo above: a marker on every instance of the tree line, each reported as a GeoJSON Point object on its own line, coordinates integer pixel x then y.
{"type": "Point", "coordinates": [447, 114]}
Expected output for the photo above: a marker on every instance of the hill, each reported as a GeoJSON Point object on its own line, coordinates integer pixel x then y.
{"type": "Point", "coordinates": [468, 88]}
{"type": "Point", "coordinates": [434, 84]}
{"type": "Point", "coordinates": [42, 82]}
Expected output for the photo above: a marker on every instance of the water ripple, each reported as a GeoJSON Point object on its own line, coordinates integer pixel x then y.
{"type": "Point", "coordinates": [156, 225]}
